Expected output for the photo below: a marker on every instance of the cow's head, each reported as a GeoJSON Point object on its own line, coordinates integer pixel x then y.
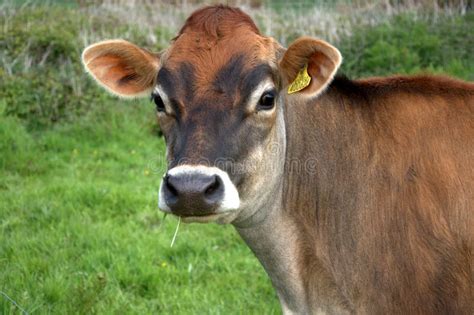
{"type": "Point", "coordinates": [219, 90]}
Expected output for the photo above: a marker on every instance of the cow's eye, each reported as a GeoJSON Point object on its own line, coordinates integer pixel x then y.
{"type": "Point", "coordinates": [160, 106]}
{"type": "Point", "coordinates": [267, 101]}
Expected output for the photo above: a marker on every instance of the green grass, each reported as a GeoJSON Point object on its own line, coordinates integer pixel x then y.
{"type": "Point", "coordinates": [80, 230]}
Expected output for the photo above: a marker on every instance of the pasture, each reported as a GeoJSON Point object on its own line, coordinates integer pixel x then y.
{"type": "Point", "coordinates": [80, 232]}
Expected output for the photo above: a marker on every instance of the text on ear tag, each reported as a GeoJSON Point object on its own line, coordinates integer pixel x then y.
{"type": "Point", "coordinates": [301, 81]}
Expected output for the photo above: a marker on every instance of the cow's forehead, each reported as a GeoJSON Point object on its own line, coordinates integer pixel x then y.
{"type": "Point", "coordinates": [209, 56]}
{"type": "Point", "coordinates": [205, 65]}
{"type": "Point", "coordinates": [217, 48]}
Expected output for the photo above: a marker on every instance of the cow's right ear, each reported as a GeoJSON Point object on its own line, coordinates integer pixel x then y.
{"type": "Point", "coordinates": [308, 66]}
{"type": "Point", "coordinates": [121, 67]}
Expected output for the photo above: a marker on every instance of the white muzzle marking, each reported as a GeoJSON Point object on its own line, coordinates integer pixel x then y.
{"type": "Point", "coordinates": [229, 203]}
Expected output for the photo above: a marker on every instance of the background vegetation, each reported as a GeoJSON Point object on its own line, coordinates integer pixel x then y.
{"type": "Point", "coordinates": [79, 170]}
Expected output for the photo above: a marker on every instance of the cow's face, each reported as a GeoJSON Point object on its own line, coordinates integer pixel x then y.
{"type": "Point", "coordinates": [217, 92]}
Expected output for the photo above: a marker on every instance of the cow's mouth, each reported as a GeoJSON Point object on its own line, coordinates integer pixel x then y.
{"type": "Point", "coordinates": [220, 217]}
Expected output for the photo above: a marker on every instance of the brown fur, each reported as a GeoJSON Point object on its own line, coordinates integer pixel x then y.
{"type": "Point", "coordinates": [387, 220]}
{"type": "Point", "coordinates": [425, 84]}
{"type": "Point", "coordinates": [214, 35]}
{"type": "Point", "coordinates": [217, 21]}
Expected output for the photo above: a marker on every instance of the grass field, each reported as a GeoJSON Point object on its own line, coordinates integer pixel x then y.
{"type": "Point", "coordinates": [80, 232]}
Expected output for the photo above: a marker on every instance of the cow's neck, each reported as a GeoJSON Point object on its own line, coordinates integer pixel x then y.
{"type": "Point", "coordinates": [328, 156]}
{"type": "Point", "coordinates": [273, 240]}
{"type": "Point", "coordinates": [287, 232]}
{"type": "Point", "coordinates": [271, 235]}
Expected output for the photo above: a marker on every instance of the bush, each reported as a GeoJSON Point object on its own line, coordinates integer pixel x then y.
{"type": "Point", "coordinates": [42, 98]}
{"type": "Point", "coordinates": [43, 80]}
{"type": "Point", "coordinates": [408, 45]}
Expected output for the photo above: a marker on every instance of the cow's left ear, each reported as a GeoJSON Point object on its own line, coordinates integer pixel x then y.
{"type": "Point", "coordinates": [313, 57]}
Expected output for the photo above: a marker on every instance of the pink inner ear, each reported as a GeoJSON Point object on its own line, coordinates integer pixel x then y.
{"type": "Point", "coordinates": [113, 73]}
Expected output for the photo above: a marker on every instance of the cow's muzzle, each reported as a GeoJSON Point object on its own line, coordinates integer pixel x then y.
{"type": "Point", "coordinates": [199, 192]}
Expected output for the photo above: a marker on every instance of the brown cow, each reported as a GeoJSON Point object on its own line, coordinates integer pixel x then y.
{"type": "Point", "coordinates": [356, 196]}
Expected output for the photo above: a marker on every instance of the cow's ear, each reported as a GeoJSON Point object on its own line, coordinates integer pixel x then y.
{"type": "Point", "coordinates": [308, 66]}
{"type": "Point", "coordinates": [121, 67]}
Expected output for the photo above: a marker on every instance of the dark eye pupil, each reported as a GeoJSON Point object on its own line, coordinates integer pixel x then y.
{"type": "Point", "coordinates": [267, 100]}
{"type": "Point", "coordinates": [160, 106]}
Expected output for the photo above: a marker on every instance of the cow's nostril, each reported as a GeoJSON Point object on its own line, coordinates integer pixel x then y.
{"type": "Point", "coordinates": [170, 186]}
{"type": "Point", "coordinates": [213, 186]}
{"type": "Point", "coordinates": [191, 193]}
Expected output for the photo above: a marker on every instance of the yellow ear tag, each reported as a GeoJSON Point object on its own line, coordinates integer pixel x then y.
{"type": "Point", "coordinates": [301, 81]}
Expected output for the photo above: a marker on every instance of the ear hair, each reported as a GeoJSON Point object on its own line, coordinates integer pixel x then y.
{"type": "Point", "coordinates": [121, 68]}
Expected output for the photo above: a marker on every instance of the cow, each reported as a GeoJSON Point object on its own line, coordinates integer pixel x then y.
{"type": "Point", "coordinates": [355, 195]}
